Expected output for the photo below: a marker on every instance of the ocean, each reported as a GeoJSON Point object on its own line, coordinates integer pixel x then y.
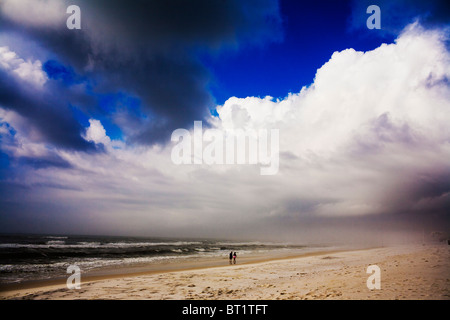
{"type": "Point", "coordinates": [38, 257]}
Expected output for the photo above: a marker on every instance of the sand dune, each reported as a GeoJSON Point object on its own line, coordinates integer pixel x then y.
{"type": "Point", "coordinates": [407, 272]}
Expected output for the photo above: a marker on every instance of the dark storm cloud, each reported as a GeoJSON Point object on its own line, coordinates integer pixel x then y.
{"type": "Point", "coordinates": [431, 193]}
{"type": "Point", "coordinates": [48, 114]}
{"type": "Point", "coordinates": [45, 162]}
{"type": "Point", "coordinates": [150, 48]}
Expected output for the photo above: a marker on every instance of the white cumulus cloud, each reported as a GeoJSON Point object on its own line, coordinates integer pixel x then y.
{"type": "Point", "coordinates": [406, 81]}
{"type": "Point", "coordinates": [97, 133]}
{"type": "Point", "coordinates": [366, 129]}
{"type": "Point", "coordinates": [28, 71]}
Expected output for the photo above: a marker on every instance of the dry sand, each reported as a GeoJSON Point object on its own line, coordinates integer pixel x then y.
{"type": "Point", "coordinates": [407, 272]}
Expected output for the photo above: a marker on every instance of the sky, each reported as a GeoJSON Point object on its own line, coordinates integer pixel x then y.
{"type": "Point", "coordinates": [87, 118]}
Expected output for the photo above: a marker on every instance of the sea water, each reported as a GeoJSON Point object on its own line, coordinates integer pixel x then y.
{"type": "Point", "coordinates": [37, 257]}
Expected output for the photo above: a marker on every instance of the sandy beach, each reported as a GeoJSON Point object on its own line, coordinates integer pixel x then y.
{"type": "Point", "coordinates": [406, 272]}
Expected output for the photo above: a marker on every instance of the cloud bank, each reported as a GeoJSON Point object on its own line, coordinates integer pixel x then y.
{"type": "Point", "coordinates": [367, 143]}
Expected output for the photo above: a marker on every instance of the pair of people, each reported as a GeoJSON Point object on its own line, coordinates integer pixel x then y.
{"type": "Point", "coordinates": [232, 257]}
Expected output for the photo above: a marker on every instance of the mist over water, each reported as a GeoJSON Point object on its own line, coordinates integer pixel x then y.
{"type": "Point", "coordinates": [25, 257]}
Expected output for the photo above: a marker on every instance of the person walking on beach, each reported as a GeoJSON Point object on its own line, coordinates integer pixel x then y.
{"type": "Point", "coordinates": [231, 257]}
{"type": "Point", "coordinates": [234, 258]}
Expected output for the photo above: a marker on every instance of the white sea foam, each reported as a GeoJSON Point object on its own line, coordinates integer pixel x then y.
{"type": "Point", "coordinates": [110, 245]}
{"type": "Point", "coordinates": [55, 242]}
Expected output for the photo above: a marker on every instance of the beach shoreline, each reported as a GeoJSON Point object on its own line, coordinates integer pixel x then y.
{"type": "Point", "coordinates": [407, 272]}
{"type": "Point", "coordinates": [167, 267]}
